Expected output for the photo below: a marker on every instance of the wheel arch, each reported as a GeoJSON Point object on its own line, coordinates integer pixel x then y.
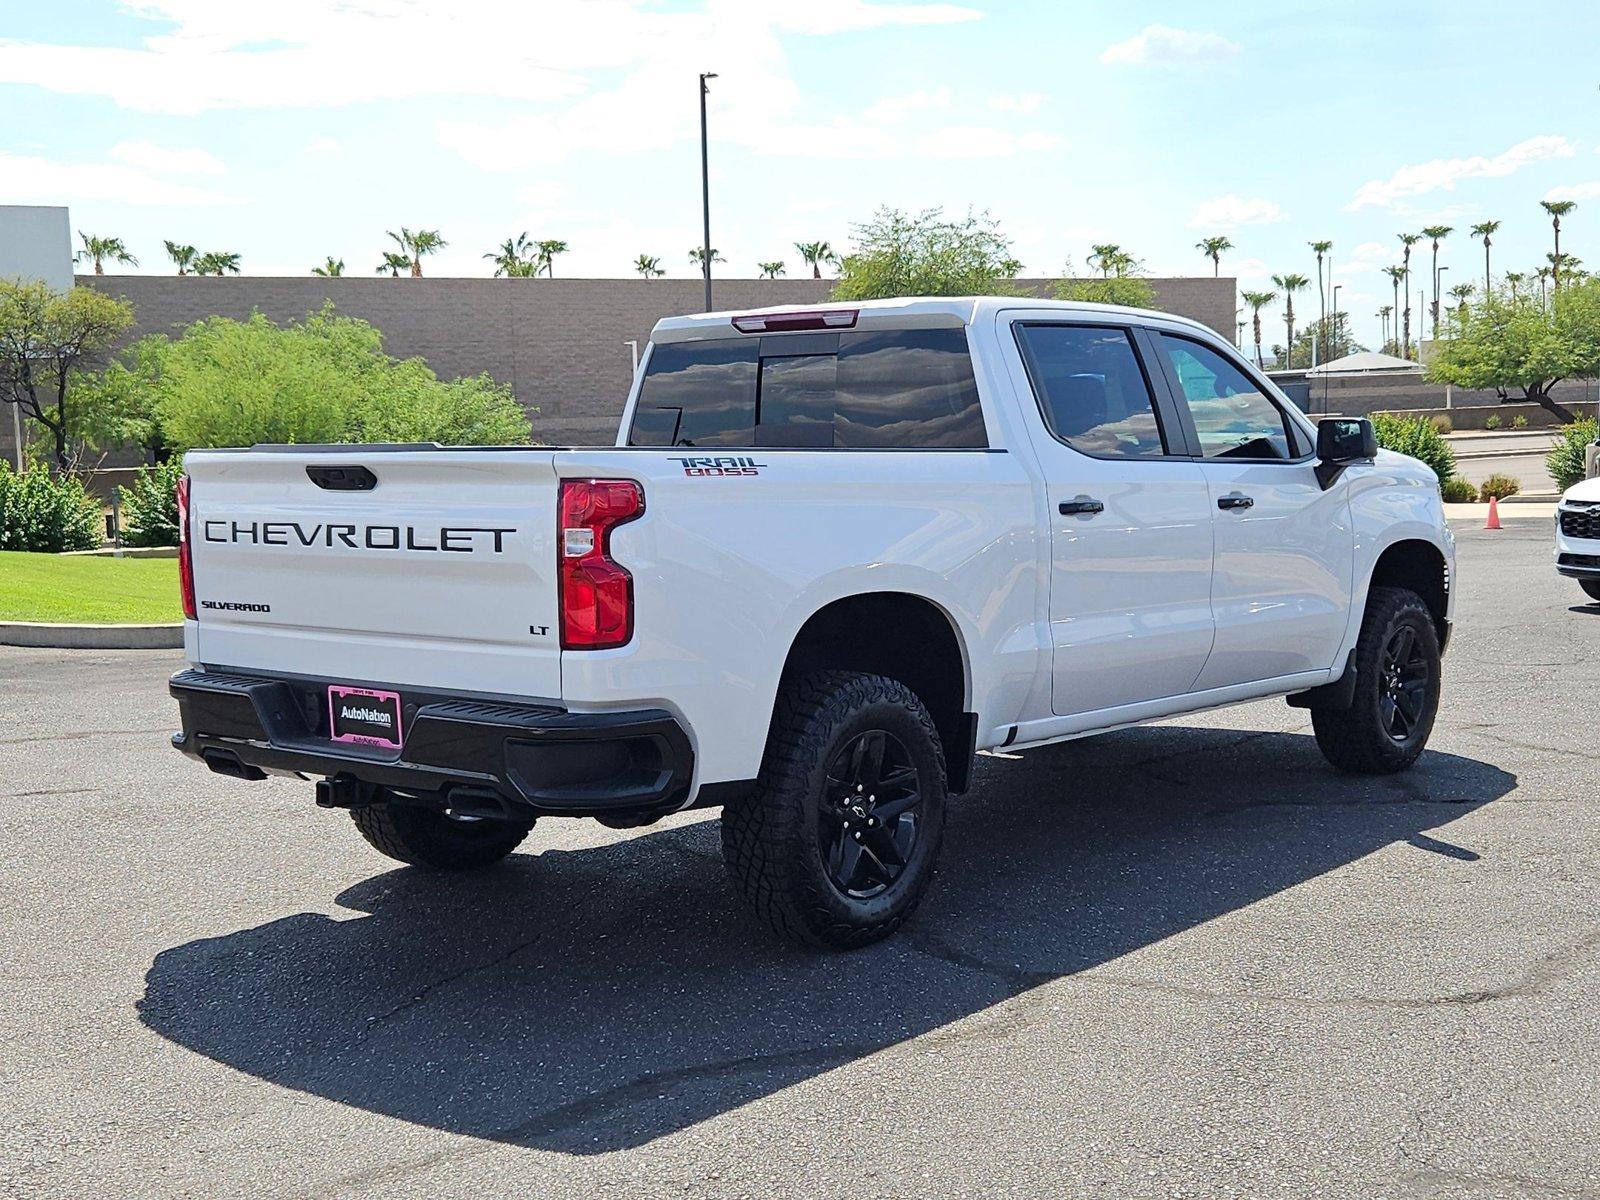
{"type": "Point", "coordinates": [1418, 565]}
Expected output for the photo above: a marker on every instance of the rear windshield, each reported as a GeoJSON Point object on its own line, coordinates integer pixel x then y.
{"type": "Point", "coordinates": [895, 389]}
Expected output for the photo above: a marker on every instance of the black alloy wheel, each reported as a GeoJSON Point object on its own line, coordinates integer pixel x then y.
{"type": "Point", "coordinates": [1403, 684]}
{"type": "Point", "coordinates": [870, 814]}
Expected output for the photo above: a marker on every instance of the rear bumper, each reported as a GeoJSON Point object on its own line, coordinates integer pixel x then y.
{"type": "Point", "coordinates": [470, 754]}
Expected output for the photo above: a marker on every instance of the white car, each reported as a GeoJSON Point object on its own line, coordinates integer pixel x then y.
{"type": "Point", "coordinates": [1578, 536]}
{"type": "Point", "coordinates": [834, 554]}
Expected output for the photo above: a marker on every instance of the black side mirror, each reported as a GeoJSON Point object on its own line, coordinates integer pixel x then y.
{"type": "Point", "coordinates": [1340, 442]}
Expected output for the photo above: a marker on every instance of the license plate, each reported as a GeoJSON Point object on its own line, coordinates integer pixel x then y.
{"type": "Point", "coordinates": [364, 716]}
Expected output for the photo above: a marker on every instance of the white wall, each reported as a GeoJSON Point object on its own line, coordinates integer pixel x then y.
{"type": "Point", "coordinates": [36, 243]}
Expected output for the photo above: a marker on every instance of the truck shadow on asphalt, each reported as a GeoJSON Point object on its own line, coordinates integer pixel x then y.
{"type": "Point", "coordinates": [586, 1001]}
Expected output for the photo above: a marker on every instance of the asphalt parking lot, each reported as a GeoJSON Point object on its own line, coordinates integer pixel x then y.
{"type": "Point", "coordinates": [1188, 960]}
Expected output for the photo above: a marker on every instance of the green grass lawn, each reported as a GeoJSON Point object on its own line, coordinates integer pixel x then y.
{"type": "Point", "coordinates": [78, 589]}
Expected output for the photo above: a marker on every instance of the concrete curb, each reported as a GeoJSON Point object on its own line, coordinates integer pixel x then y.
{"type": "Point", "coordinates": [91, 637]}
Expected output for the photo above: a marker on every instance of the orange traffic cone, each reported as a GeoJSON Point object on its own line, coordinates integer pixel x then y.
{"type": "Point", "coordinates": [1494, 514]}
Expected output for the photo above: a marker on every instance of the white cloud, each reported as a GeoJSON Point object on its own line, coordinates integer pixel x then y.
{"type": "Point", "coordinates": [1230, 212]}
{"type": "Point", "coordinates": [163, 160]}
{"type": "Point", "coordinates": [1027, 102]}
{"type": "Point", "coordinates": [1575, 191]}
{"type": "Point", "coordinates": [897, 108]}
{"type": "Point", "coordinates": [32, 179]}
{"type": "Point", "coordinates": [325, 145]}
{"type": "Point", "coordinates": [1445, 173]}
{"type": "Point", "coordinates": [313, 54]}
{"type": "Point", "coordinates": [1164, 46]}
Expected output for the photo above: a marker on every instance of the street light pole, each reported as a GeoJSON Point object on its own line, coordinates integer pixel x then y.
{"type": "Point", "coordinates": [705, 186]}
{"type": "Point", "coordinates": [1438, 272]}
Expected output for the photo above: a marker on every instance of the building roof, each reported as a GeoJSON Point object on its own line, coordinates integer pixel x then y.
{"type": "Point", "coordinates": [1368, 362]}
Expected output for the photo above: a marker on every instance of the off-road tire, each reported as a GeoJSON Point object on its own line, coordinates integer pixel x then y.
{"type": "Point", "coordinates": [423, 837]}
{"type": "Point", "coordinates": [770, 839]}
{"type": "Point", "coordinates": [1591, 588]}
{"type": "Point", "coordinates": [1354, 738]}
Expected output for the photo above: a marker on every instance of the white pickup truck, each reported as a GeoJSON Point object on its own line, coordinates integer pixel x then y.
{"type": "Point", "coordinates": [833, 555]}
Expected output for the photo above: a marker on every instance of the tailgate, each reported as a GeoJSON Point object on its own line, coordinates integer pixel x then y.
{"type": "Point", "coordinates": [436, 571]}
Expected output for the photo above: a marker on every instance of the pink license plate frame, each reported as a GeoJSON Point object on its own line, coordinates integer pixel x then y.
{"type": "Point", "coordinates": [369, 732]}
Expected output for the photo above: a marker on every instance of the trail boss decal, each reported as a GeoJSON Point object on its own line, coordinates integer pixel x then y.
{"type": "Point", "coordinates": [457, 539]}
{"type": "Point", "coordinates": [722, 464]}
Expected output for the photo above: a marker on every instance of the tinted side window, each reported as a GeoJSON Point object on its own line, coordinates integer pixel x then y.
{"type": "Point", "coordinates": [907, 387]}
{"type": "Point", "coordinates": [698, 394]}
{"type": "Point", "coordinates": [1231, 415]}
{"type": "Point", "coordinates": [895, 389]}
{"type": "Point", "coordinates": [1092, 390]}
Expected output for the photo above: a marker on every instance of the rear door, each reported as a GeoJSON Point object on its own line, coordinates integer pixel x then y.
{"type": "Point", "coordinates": [410, 566]}
{"type": "Point", "coordinates": [1130, 580]}
{"type": "Point", "coordinates": [1285, 548]}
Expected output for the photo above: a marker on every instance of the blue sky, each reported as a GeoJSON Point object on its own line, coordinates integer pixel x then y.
{"type": "Point", "coordinates": [293, 129]}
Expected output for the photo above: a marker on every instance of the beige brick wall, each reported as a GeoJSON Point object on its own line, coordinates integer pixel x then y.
{"type": "Point", "coordinates": [559, 343]}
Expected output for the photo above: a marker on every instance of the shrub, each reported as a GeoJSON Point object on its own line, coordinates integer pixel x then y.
{"type": "Point", "coordinates": [1492, 421]}
{"type": "Point", "coordinates": [46, 514]}
{"type": "Point", "coordinates": [1442, 424]}
{"type": "Point", "coordinates": [150, 506]}
{"type": "Point", "coordinates": [1417, 437]}
{"type": "Point", "coordinates": [1565, 461]}
{"type": "Point", "coordinates": [1498, 487]}
{"type": "Point", "coordinates": [1458, 491]}
{"type": "Point", "coordinates": [1519, 422]}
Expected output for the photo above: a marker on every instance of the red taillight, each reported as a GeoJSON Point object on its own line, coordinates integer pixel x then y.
{"type": "Point", "coordinates": [789, 322]}
{"type": "Point", "coordinates": [185, 551]}
{"type": "Point", "coordinates": [596, 593]}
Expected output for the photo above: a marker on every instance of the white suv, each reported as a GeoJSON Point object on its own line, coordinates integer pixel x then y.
{"type": "Point", "coordinates": [1578, 536]}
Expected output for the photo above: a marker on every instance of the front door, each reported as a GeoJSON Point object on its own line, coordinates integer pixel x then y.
{"type": "Point", "coordinates": [1130, 605]}
{"type": "Point", "coordinates": [1285, 548]}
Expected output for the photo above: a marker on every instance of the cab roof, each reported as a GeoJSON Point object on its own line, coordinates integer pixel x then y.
{"type": "Point", "coordinates": [908, 312]}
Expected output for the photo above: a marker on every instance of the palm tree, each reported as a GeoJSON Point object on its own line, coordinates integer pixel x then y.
{"type": "Point", "coordinates": [1322, 249]}
{"type": "Point", "coordinates": [815, 254]}
{"type": "Point", "coordinates": [1460, 293]}
{"type": "Point", "coordinates": [1257, 301]}
{"type": "Point", "coordinates": [1544, 277]}
{"type": "Point", "coordinates": [771, 270]}
{"type": "Point", "coordinates": [513, 257]}
{"type": "Point", "coordinates": [1397, 276]}
{"type": "Point", "coordinates": [98, 249]}
{"type": "Point", "coordinates": [183, 256]}
{"type": "Point", "coordinates": [1214, 248]}
{"type": "Point", "coordinates": [424, 241]}
{"type": "Point", "coordinates": [649, 266]}
{"type": "Point", "coordinates": [394, 264]}
{"type": "Point", "coordinates": [331, 268]}
{"type": "Point", "coordinates": [1436, 234]}
{"type": "Point", "coordinates": [1568, 264]}
{"type": "Point", "coordinates": [1485, 230]}
{"type": "Point", "coordinates": [1408, 240]}
{"type": "Point", "coordinates": [1290, 285]}
{"type": "Point", "coordinates": [547, 256]}
{"type": "Point", "coordinates": [1557, 209]}
{"type": "Point", "coordinates": [1384, 314]}
{"type": "Point", "coordinates": [698, 256]}
{"type": "Point", "coordinates": [1105, 257]}
{"type": "Point", "coordinates": [1513, 280]}
{"type": "Point", "coordinates": [217, 262]}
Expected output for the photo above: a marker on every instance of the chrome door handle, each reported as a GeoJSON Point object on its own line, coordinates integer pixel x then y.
{"type": "Point", "coordinates": [1234, 501]}
{"type": "Point", "coordinates": [1083, 506]}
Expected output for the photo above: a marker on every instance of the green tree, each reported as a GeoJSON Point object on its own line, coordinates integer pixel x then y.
{"type": "Point", "coordinates": [1436, 234]}
{"type": "Point", "coordinates": [394, 264]}
{"type": "Point", "coordinates": [150, 505]}
{"type": "Point", "coordinates": [1486, 231]}
{"type": "Point", "coordinates": [46, 514]}
{"type": "Point", "coordinates": [100, 250]}
{"type": "Point", "coordinates": [1417, 438]}
{"type": "Point", "coordinates": [1214, 248]}
{"type": "Point", "coordinates": [1290, 284]}
{"type": "Point", "coordinates": [548, 250]}
{"type": "Point", "coordinates": [1407, 240]}
{"type": "Point", "coordinates": [649, 266]}
{"type": "Point", "coordinates": [182, 256]}
{"type": "Point", "coordinates": [770, 270]}
{"type": "Point", "coordinates": [1508, 341]}
{"type": "Point", "coordinates": [324, 379]}
{"type": "Point", "coordinates": [815, 254]}
{"type": "Point", "coordinates": [517, 258]}
{"type": "Point", "coordinates": [1461, 293]}
{"type": "Point", "coordinates": [1126, 288]}
{"type": "Point", "coordinates": [1107, 257]}
{"type": "Point", "coordinates": [1322, 249]}
{"type": "Point", "coordinates": [46, 339]}
{"type": "Point", "coordinates": [217, 262]}
{"type": "Point", "coordinates": [1257, 301]}
{"type": "Point", "coordinates": [1565, 462]}
{"type": "Point", "coordinates": [331, 268]}
{"type": "Point", "coordinates": [1557, 209]}
{"type": "Point", "coordinates": [1383, 314]}
{"type": "Point", "coordinates": [698, 256]}
{"type": "Point", "coordinates": [1397, 275]}
{"type": "Point", "coordinates": [1332, 337]}
{"type": "Point", "coordinates": [414, 245]}
{"type": "Point", "coordinates": [927, 254]}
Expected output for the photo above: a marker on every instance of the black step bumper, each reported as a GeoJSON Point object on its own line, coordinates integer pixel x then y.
{"type": "Point", "coordinates": [464, 753]}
